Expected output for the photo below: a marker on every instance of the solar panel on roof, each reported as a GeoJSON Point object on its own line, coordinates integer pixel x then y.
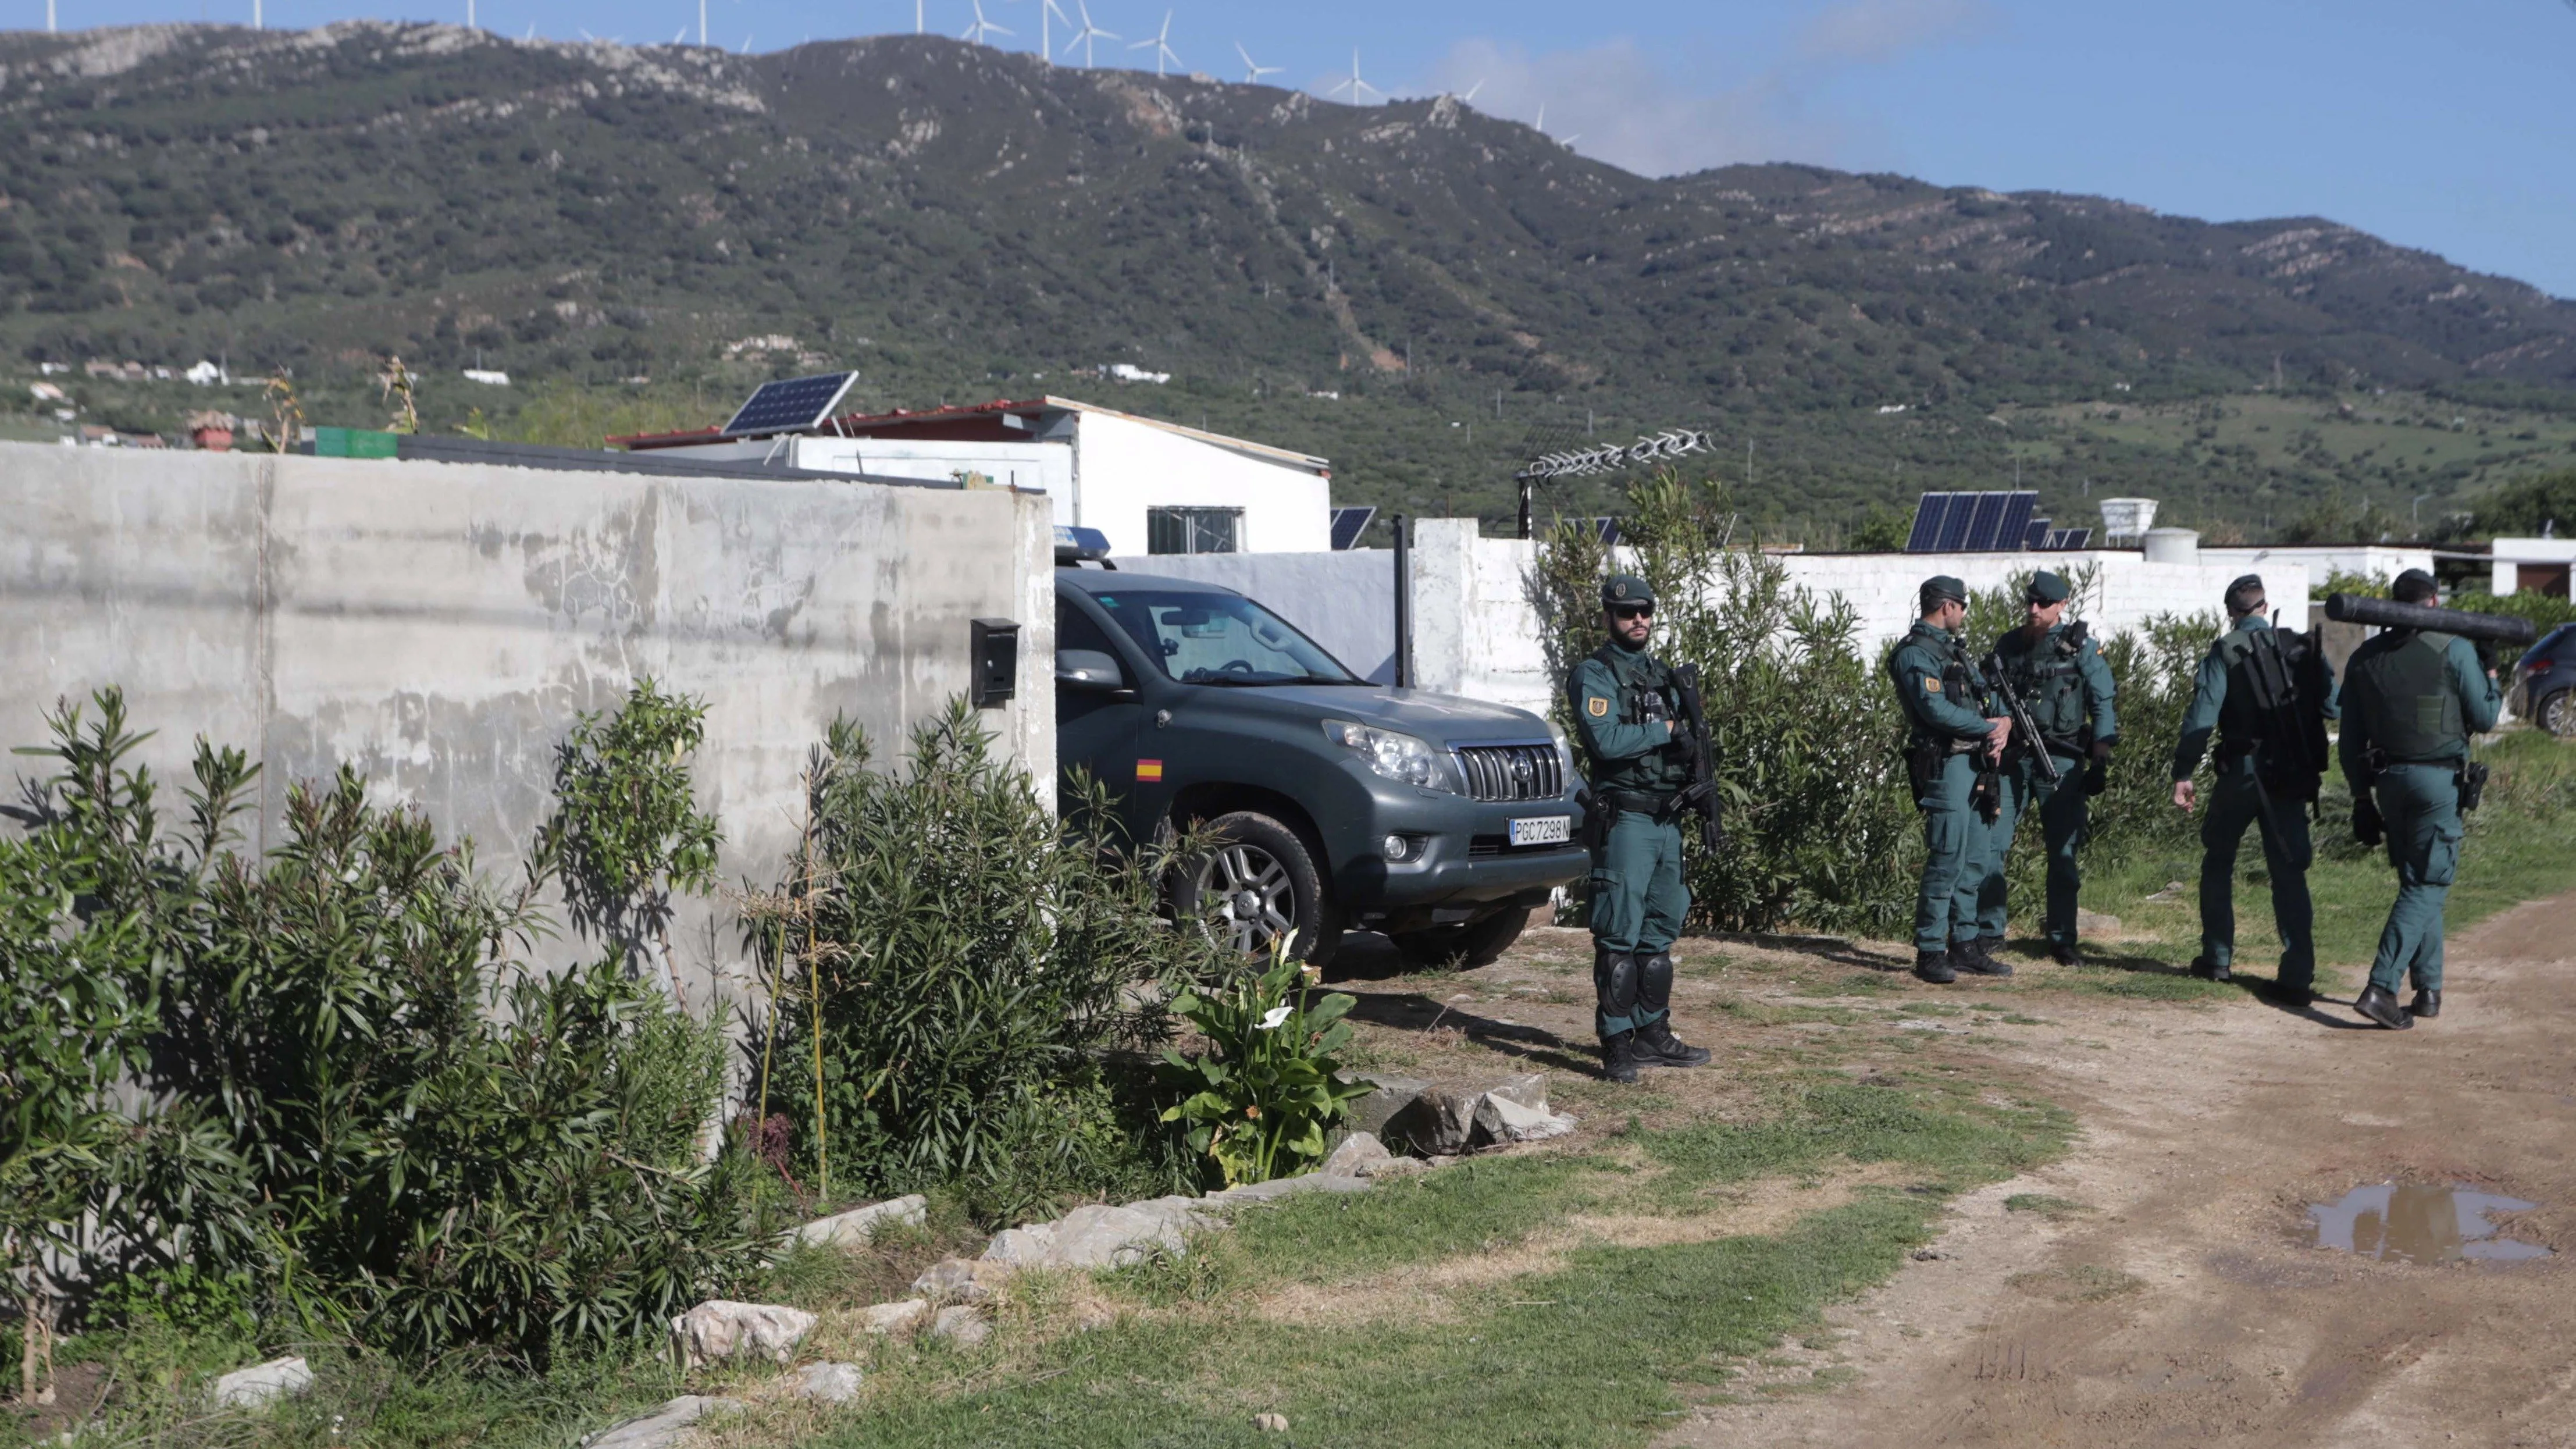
{"type": "Point", "coordinates": [1962, 522]}
{"type": "Point", "coordinates": [2036, 535]}
{"type": "Point", "coordinates": [790, 405]}
{"type": "Point", "coordinates": [2069, 538]}
{"type": "Point", "coordinates": [1348, 524]}
{"type": "Point", "coordinates": [1608, 528]}
{"type": "Point", "coordinates": [1985, 526]}
{"type": "Point", "coordinates": [1929, 513]}
{"type": "Point", "coordinates": [2012, 529]}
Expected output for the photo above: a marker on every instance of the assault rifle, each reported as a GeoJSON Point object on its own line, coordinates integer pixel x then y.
{"type": "Point", "coordinates": [1700, 796]}
{"type": "Point", "coordinates": [2025, 725]}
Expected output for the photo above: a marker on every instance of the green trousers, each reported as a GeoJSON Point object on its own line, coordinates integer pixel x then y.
{"type": "Point", "coordinates": [2062, 810]}
{"type": "Point", "coordinates": [1955, 848]}
{"type": "Point", "coordinates": [2235, 802]}
{"type": "Point", "coordinates": [1638, 899]}
{"type": "Point", "coordinates": [2421, 805]}
{"type": "Point", "coordinates": [1638, 906]}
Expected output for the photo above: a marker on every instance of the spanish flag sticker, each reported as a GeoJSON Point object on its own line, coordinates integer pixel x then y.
{"type": "Point", "coordinates": [1149, 770]}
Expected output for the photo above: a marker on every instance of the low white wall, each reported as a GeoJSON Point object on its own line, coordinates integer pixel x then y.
{"type": "Point", "coordinates": [1122, 467]}
{"type": "Point", "coordinates": [1476, 632]}
{"type": "Point", "coordinates": [439, 626]}
{"type": "Point", "coordinates": [2369, 560]}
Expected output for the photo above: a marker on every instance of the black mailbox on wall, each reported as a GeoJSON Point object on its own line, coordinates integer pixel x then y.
{"type": "Point", "coordinates": [997, 663]}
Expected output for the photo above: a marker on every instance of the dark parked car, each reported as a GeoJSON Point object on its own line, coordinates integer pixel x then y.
{"type": "Point", "coordinates": [1337, 803]}
{"type": "Point", "coordinates": [2546, 675]}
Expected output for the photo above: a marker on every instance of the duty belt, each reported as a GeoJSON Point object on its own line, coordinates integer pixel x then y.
{"type": "Point", "coordinates": [1641, 801]}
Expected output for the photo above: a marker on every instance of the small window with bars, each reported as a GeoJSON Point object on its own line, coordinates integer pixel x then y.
{"type": "Point", "coordinates": [1193, 530]}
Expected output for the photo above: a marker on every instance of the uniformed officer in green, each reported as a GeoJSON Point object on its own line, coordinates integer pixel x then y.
{"type": "Point", "coordinates": [1625, 714]}
{"type": "Point", "coordinates": [2057, 670]}
{"type": "Point", "coordinates": [1952, 730]}
{"type": "Point", "coordinates": [2411, 699]}
{"type": "Point", "coordinates": [2223, 703]}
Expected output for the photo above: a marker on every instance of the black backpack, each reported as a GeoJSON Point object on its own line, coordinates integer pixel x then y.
{"type": "Point", "coordinates": [2286, 670]}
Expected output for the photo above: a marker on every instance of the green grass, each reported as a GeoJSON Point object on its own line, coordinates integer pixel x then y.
{"type": "Point", "coordinates": [1599, 1349]}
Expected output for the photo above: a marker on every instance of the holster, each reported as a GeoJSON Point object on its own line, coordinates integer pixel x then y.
{"type": "Point", "coordinates": [1987, 795]}
{"type": "Point", "coordinates": [1923, 766]}
{"type": "Point", "coordinates": [2472, 780]}
{"type": "Point", "coordinates": [1596, 820]}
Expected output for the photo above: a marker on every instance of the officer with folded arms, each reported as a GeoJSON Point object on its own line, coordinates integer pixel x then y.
{"type": "Point", "coordinates": [2411, 699]}
{"type": "Point", "coordinates": [1952, 734]}
{"type": "Point", "coordinates": [2057, 671]}
{"type": "Point", "coordinates": [1627, 717]}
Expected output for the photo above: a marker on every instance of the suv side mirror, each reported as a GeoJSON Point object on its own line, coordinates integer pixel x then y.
{"type": "Point", "coordinates": [1090, 669]}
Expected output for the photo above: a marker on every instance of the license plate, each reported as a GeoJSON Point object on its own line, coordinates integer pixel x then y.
{"type": "Point", "coordinates": [1542, 830]}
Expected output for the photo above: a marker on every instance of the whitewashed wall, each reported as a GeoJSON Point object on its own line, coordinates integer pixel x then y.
{"type": "Point", "coordinates": [1476, 632]}
{"type": "Point", "coordinates": [1123, 467]}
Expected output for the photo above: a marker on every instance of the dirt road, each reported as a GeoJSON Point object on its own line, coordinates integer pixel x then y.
{"type": "Point", "coordinates": [2184, 1307]}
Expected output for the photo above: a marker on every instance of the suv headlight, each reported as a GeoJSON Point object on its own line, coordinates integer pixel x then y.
{"type": "Point", "coordinates": [1397, 757]}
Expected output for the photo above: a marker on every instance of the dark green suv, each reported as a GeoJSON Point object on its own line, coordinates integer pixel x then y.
{"type": "Point", "coordinates": [1337, 803]}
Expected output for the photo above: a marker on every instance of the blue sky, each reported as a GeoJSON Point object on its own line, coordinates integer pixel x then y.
{"type": "Point", "coordinates": [2442, 124]}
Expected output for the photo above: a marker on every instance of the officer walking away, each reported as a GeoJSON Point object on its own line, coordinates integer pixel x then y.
{"type": "Point", "coordinates": [1625, 713]}
{"type": "Point", "coordinates": [2226, 702]}
{"type": "Point", "coordinates": [2056, 668]}
{"type": "Point", "coordinates": [1951, 733]}
{"type": "Point", "coordinates": [2412, 698]}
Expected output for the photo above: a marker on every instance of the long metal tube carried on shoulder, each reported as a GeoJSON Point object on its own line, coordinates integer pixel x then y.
{"type": "Point", "coordinates": [2389, 614]}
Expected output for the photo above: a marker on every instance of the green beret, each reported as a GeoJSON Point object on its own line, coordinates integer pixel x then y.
{"type": "Point", "coordinates": [1619, 589]}
{"type": "Point", "coordinates": [1942, 586]}
{"type": "Point", "coordinates": [2047, 588]}
{"type": "Point", "coordinates": [2246, 583]}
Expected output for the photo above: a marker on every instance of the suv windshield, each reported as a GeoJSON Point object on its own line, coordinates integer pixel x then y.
{"type": "Point", "coordinates": [1220, 639]}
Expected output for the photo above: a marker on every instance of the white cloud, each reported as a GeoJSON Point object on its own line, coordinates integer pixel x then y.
{"type": "Point", "coordinates": [1649, 114]}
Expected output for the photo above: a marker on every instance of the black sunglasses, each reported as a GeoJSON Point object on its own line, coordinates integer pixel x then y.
{"type": "Point", "coordinates": [1631, 611]}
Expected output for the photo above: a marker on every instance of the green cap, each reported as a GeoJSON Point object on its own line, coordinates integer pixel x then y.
{"type": "Point", "coordinates": [1942, 586]}
{"type": "Point", "coordinates": [2047, 588]}
{"type": "Point", "coordinates": [1621, 589]}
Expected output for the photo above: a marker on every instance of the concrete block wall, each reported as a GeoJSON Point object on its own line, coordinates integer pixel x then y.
{"type": "Point", "coordinates": [440, 626]}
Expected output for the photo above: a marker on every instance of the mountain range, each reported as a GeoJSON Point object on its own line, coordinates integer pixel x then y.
{"type": "Point", "coordinates": [1421, 291]}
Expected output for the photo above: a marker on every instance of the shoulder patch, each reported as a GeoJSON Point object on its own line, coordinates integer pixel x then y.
{"type": "Point", "coordinates": [1931, 684]}
{"type": "Point", "coordinates": [1596, 706]}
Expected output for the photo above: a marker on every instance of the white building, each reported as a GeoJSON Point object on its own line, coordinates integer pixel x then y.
{"type": "Point", "coordinates": [2380, 561]}
{"type": "Point", "coordinates": [2538, 564]}
{"type": "Point", "coordinates": [1153, 487]}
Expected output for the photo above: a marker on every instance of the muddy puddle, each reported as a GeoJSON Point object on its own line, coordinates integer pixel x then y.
{"type": "Point", "coordinates": [2414, 1224]}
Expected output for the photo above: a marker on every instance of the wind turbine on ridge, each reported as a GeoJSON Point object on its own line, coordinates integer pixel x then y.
{"type": "Point", "coordinates": [1252, 73]}
{"type": "Point", "coordinates": [1354, 84]}
{"type": "Point", "coordinates": [1161, 41]}
{"type": "Point", "coordinates": [1087, 34]}
{"type": "Point", "coordinates": [1046, 33]}
{"type": "Point", "coordinates": [976, 32]}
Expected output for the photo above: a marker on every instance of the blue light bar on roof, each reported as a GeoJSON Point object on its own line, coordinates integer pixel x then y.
{"type": "Point", "coordinates": [1080, 545]}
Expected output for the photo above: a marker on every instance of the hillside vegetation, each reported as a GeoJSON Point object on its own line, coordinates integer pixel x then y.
{"type": "Point", "coordinates": [1418, 290]}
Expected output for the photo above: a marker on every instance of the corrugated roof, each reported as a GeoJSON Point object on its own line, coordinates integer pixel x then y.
{"type": "Point", "coordinates": [862, 425]}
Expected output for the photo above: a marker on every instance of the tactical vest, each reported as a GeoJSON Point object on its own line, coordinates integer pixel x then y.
{"type": "Point", "coordinates": [2046, 678]}
{"type": "Point", "coordinates": [1959, 682]}
{"type": "Point", "coordinates": [2240, 723]}
{"type": "Point", "coordinates": [1644, 696]}
{"type": "Point", "coordinates": [2405, 693]}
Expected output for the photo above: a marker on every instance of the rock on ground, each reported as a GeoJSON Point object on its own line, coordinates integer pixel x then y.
{"type": "Point", "coordinates": [833, 1383]}
{"type": "Point", "coordinates": [262, 1384]}
{"type": "Point", "coordinates": [719, 1329]}
{"type": "Point", "coordinates": [1369, 1115]}
{"type": "Point", "coordinates": [955, 1280]}
{"type": "Point", "coordinates": [662, 1426]}
{"type": "Point", "coordinates": [961, 1325]}
{"type": "Point", "coordinates": [894, 1317]}
{"type": "Point", "coordinates": [854, 1229]}
{"type": "Point", "coordinates": [1442, 1122]}
{"type": "Point", "coordinates": [1271, 1423]}
{"type": "Point", "coordinates": [1501, 1120]}
{"type": "Point", "coordinates": [1356, 1157]}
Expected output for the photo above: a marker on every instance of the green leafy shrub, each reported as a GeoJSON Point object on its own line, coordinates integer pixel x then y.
{"type": "Point", "coordinates": [957, 963]}
{"type": "Point", "coordinates": [1268, 1087]}
{"type": "Point", "coordinates": [385, 1119]}
{"type": "Point", "coordinates": [626, 833]}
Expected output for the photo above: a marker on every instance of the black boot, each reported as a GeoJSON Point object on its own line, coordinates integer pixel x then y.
{"type": "Point", "coordinates": [1934, 966]}
{"type": "Point", "coordinates": [2426, 1003]}
{"type": "Point", "coordinates": [2201, 968]}
{"type": "Point", "coordinates": [1656, 1046]}
{"type": "Point", "coordinates": [1976, 956]}
{"type": "Point", "coordinates": [2297, 997]}
{"type": "Point", "coordinates": [2381, 1006]}
{"type": "Point", "coordinates": [1619, 1059]}
{"type": "Point", "coordinates": [2062, 952]}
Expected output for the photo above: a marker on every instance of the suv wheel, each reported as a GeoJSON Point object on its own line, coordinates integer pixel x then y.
{"type": "Point", "coordinates": [2557, 714]}
{"type": "Point", "coordinates": [1256, 883]}
{"type": "Point", "coordinates": [1477, 943]}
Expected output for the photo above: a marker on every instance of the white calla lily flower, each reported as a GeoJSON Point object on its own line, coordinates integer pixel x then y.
{"type": "Point", "coordinates": [1272, 1019]}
